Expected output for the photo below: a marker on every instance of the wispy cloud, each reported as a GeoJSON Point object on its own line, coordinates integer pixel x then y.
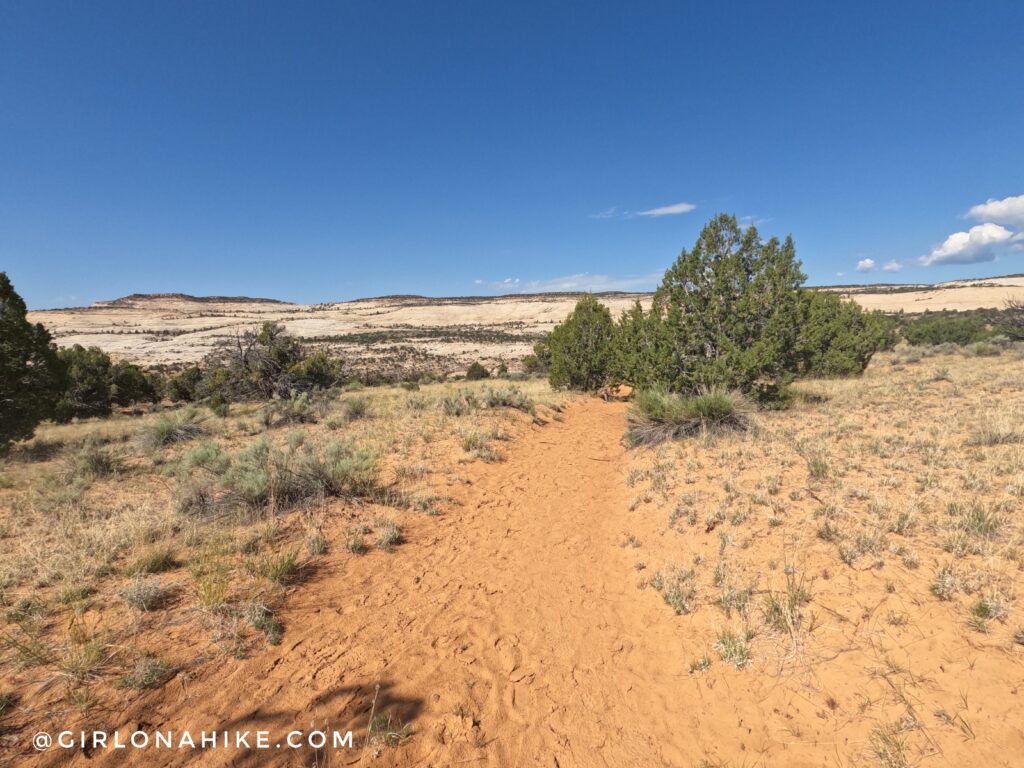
{"type": "Point", "coordinates": [668, 210]}
{"type": "Point", "coordinates": [892, 266]}
{"type": "Point", "coordinates": [610, 213]}
{"type": "Point", "coordinates": [753, 221]}
{"type": "Point", "coordinates": [618, 212]}
{"type": "Point", "coordinates": [866, 265]}
{"type": "Point", "coordinates": [581, 282]}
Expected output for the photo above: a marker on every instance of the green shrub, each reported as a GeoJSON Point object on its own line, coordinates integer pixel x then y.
{"type": "Point", "coordinates": [642, 351]}
{"type": "Point", "coordinates": [508, 397]}
{"type": "Point", "coordinates": [730, 313]}
{"type": "Point", "coordinates": [476, 371]}
{"type": "Point", "coordinates": [389, 535]}
{"type": "Point", "coordinates": [732, 309]}
{"type": "Point", "coordinates": [183, 387]}
{"type": "Point", "coordinates": [87, 390]}
{"type": "Point", "coordinates": [460, 403]}
{"type": "Point", "coordinates": [262, 619]}
{"type": "Point", "coordinates": [130, 384]}
{"type": "Point", "coordinates": [262, 474]}
{"type": "Point", "coordinates": [317, 371]}
{"type": "Point", "coordinates": [357, 407]}
{"type": "Point", "coordinates": [945, 329]}
{"type": "Point", "coordinates": [31, 374]}
{"type": "Point", "coordinates": [656, 416]}
{"type": "Point", "coordinates": [92, 461]}
{"type": "Point", "coordinates": [146, 593]}
{"type": "Point", "coordinates": [581, 347]}
{"type": "Point", "coordinates": [837, 337]}
{"type": "Point", "coordinates": [295, 408]}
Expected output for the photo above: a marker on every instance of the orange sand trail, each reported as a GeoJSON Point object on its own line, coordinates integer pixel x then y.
{"type": "Point", "coordinates": [508, 632]}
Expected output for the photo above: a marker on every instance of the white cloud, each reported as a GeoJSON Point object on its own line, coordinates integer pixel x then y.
{"type": "Point", "coordinates": [976, 245]}
{"type": "Point", "coordinates": [668, 210]}
{"type": "Point", "coordinates": [892, 266]}
{"type": "Point", "coordinates": [1009, 210]}
{"type": "Point", "coordinates": [865, 265]}
{"type": "Point", "coordinates": [578, 283]}
{"type": "Point", "coordinates": [609, 213]}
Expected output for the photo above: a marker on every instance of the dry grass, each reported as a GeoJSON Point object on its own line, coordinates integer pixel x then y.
{"type": "Point", "coordinates": [864, 547]}
{"type": "Point", "coordinates": [178, 520]}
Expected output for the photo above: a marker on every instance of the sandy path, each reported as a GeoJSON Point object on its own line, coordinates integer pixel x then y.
{"type": "Point", "coordinates": [509, 632]}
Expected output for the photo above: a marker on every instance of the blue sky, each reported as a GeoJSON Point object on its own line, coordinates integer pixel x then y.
{"type": "Point", "coordinates": [316, 152]}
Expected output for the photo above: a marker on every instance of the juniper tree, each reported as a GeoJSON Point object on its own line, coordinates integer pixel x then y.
{"type": "Point", "coordinates": [87, 378]}
{"type": "Point", "coordinates": [30, 374]}
{"type": "Point", "coordinates": [581, 347]}
{"type": "Point", "coordinates": [732, 308]}
{"type": "Point", "coordinates": [838, 337]}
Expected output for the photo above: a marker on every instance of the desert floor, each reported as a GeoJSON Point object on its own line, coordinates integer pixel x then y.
{"type": "Point", "coordinates": [834, 587]}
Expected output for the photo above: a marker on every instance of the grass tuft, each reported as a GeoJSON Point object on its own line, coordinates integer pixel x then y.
{"type": "Point", "coordinates": [658, 416]}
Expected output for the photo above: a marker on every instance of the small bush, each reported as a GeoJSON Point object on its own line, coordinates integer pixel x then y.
{"type": "Point", "coordinates": [459, 404]}
{"type": "Point", "coordinates": [996, 431]}
{"type": "Point", "coordinates": [676, 588]}
{"type": "Point", "coordinates": [508, 397]}
{"type": "Point", "coordinates": [945, 330]}
{"type": "Point", "coordinates": [92, 462]}
{"type": "Point", "coordinates": [262, 619]}
{"type": "Point", "coordinates": [172, 428]}
{"type": "Point", "coordinates": [657, 416]}
{"type": "Point", "coordinates": [734, 647]}
{"type": "Point", "coordinates": [356, 408]}
{"type": "Point", "coordinates": [297, 408]}
{"type": "Point", "coordinates": [476, 371]}
{"type": "Point", "coordinates": [262, 474]}
{"type": "Point", "coordinates": [389, 535]}
{"type": "Point", "coordinates": [946, 583]}
{"type": "Point", "coordinates": [148, 673]}
{"type": "Point", "coordinates": [146, 593]}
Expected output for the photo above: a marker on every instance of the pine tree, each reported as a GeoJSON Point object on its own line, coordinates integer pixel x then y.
{"type": "Point", "coordinates": [30, 374]}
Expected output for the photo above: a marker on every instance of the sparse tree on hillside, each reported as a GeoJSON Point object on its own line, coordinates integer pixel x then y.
{"type": "Point", "coordinates": [255, 365]}
{"type": "Point", "coordinates": [87, 391]}
{"type": "Point", "coordinates": [130, 384]}
{"type": "Point", "coordinates": [183, 386]}
{"type": "Point", "coordinates": [30, 373]}
{"type": "Point", "coordinates": [1012, 321]}
{"type": "Point", "coordinates": [476, 371]}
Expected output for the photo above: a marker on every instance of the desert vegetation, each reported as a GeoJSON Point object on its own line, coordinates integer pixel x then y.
{"type": "Point", "coordinates": [812, 507]}
{"type": "Point", "coordinates": [138, 549]}
{"type": "Point", "coordinates": [862, 547]}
